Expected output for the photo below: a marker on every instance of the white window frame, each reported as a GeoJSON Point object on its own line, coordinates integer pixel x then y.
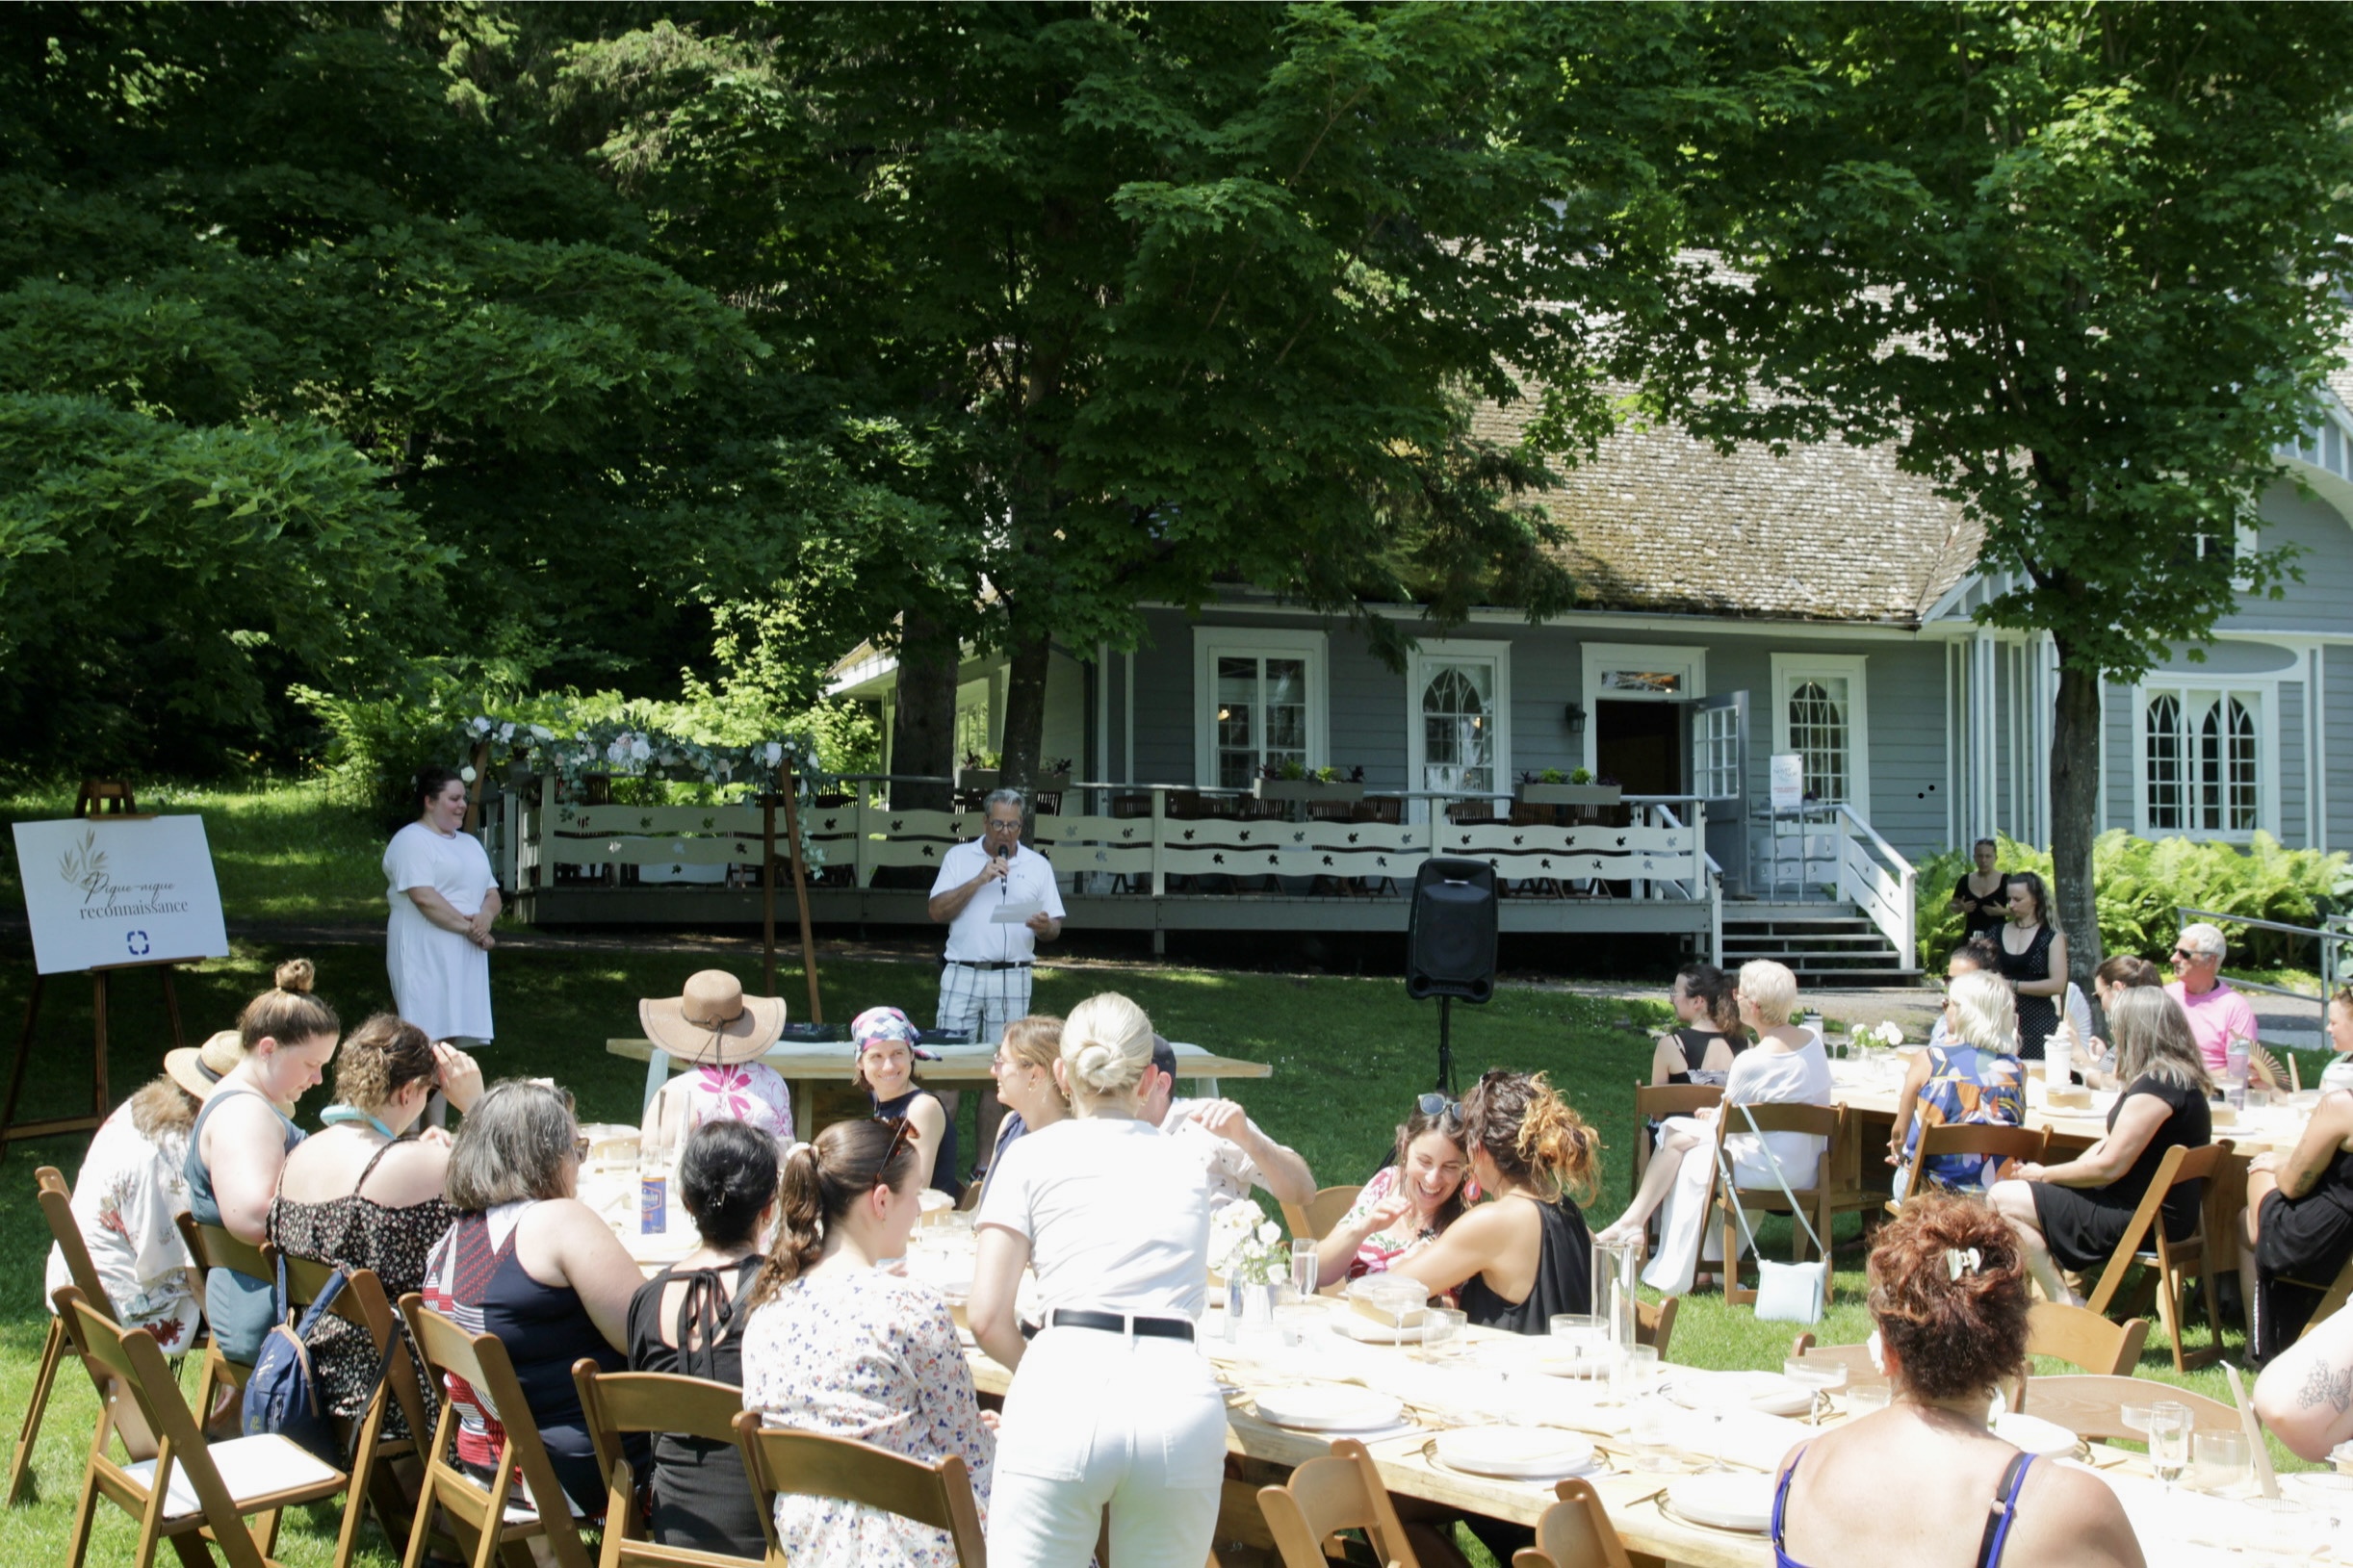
{"type": "Point", "coordinates": [2262, 694]}
{"type": "Point", "coordinates": [1789, 670]}
{"type": "Point", "coordinates": [1601, 658]}
{"type": "Point", "coordinates": [1210, 643]}
{"type": "Point", "coordinates": [1457, 650]}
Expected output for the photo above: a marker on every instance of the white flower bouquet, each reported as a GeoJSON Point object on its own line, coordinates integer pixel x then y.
{"type": "Point", "coordinates": [1247, 1249]}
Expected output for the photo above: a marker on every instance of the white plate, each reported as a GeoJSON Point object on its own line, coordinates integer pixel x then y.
{"type": "Point", "coordinates": [1515, 1453]}
{"type": "Point", "coordinates": [1328, 1407]}
{"type": "Point", "coordinates": [1356, 1325]}
{"type": "Point", "coordinates": [1743, 1503]}
{"type": "Point", "coordinates": [2035, 1435]}
{"type": "Point", "coordinates": [1769, 1392]}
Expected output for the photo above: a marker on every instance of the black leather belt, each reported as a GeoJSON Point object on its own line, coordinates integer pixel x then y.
{"type": "Point", "coordinates": [1007, 963]}
{"type": "Point", "coordinates": [1112, 1323]}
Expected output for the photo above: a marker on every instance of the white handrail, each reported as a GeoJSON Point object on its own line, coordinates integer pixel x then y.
{"type": "Point", "coordinates": [1884, 892]}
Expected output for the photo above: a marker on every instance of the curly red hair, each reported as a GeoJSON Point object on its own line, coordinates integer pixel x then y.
{"type": "Point", "coordinates": [1951, 1335]}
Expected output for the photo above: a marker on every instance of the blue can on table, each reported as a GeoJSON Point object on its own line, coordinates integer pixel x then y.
{"type": "Point", "coordinates": [653, 1205]}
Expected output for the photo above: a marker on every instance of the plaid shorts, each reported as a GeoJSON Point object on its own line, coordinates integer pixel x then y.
{"type": "Point", "coordinates": [982, 1001]}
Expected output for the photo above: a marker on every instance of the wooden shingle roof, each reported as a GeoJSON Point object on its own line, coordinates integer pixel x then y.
{"type": "Point", "coordinates": [1832, 533]}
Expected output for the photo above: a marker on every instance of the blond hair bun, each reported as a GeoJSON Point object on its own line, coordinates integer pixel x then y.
{"type": "Point", "coordinates": [296, 977]}
{"type": "Point", "coordinates": [1106, 1044]}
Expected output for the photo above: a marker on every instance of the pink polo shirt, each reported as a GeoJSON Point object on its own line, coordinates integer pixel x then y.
{"type": "Point", "coordinates": [2214, 1018]}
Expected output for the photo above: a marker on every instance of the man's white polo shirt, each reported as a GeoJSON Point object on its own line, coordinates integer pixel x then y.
{"type": "Point", "coordinates": [973, 937]}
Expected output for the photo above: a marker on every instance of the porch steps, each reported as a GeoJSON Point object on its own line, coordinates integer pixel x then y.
{"type": "Point", "coordinates": [1825, 944]}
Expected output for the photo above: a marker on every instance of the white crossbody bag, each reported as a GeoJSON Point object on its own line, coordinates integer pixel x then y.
{"type": "Point", "coordinates": [1786, 1292]}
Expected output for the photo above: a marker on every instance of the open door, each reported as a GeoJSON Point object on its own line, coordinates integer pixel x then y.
{"type": "Point", "coordinates": [1719, 769]}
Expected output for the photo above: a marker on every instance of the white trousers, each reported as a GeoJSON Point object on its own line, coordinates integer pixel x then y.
{"type": "Point", "coordinates": [1682, 1249]}
{"type": "Point", "coordinates": [1097, 1419]}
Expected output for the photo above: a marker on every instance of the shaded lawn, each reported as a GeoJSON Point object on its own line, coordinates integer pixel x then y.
{"type": "Point", "coordinates": [1349, 1056]}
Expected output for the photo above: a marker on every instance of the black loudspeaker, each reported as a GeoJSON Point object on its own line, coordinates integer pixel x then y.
{"type": "Point", "coordinates": [1450, 946]}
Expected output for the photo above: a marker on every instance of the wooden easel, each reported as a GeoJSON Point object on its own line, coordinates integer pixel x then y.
{"type": "Point", "coordinates": [98, 797]}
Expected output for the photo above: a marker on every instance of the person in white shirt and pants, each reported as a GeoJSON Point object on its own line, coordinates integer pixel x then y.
{"type": "Point", "coordinates": [986, 983]}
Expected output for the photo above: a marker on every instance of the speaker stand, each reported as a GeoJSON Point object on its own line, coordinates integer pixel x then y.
{"type": "Point", "coordinates": [1446, 1046]}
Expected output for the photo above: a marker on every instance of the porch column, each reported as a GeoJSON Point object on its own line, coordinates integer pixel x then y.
{"type": "Point", "coordinates": [1985, 773]}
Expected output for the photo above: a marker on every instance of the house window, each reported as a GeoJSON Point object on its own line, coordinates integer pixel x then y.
{"type": "Point", "coordinates": [2202, 767]}
{"type": "Point", "coordinates": [1459, 717]}
{"type": "Point", "coordinates": [1261, 696]}
{"type": "Point", "coordinates": [1820, 716]}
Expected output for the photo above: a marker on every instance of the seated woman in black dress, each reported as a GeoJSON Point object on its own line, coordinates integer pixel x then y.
{"type": "Point", "coordinates": [2072, 1214]}
{"type": "Point", "coordinates": [689, 1319]}
{"type": "Point", "coordinates": [1708, 1032]}
{"type": "Point", "coordinates": [1518, 1259]}
{"type": "Point", "coordinates": [2299, 1224]}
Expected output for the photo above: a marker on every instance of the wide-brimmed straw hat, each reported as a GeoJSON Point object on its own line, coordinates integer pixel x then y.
{"type": "Point", "coordinates": [712, 1021]}
{"type": "Point", "coordinates": [200, 1069]}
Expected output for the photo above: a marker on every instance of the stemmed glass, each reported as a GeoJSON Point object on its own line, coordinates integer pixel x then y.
{"type": "Point", "coordinates": [1304, 1270]}
{"type": "Point", "coordinates": [1722, 1396]}
{"type": "Point", "coordinates": [1819, 1373]}
{"type": "Point", "coordinates": [2168, 1442]}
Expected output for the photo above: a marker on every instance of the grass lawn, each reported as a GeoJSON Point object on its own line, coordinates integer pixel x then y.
{"type": "Point", "coordinates": [1348, 1056]}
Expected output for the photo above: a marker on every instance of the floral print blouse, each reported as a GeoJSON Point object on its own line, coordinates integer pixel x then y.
{"type": "Point", "coordinates": [127, 1198]}
{"type": "Point", "coordinates": [1382, 1248]}
{"type": "Point", "coordinates": [870, 1357]}
{"type": "Point", "coordinates": [750, 1092]}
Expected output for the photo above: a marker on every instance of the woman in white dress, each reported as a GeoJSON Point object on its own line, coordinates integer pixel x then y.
{"type": "Point", "coordinates": [444, 898]}
{"type": "Point", "coordinates": [1111, 1404]}
{"type": "Point", "coordinates": [839, 1346]}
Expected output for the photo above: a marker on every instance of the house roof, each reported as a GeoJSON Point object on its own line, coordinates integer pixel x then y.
{"type": "Point", "coordinates": [1830, 532]}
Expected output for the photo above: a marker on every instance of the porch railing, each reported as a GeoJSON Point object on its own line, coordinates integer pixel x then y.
{"type": "Point", "coordinates": [1840, 856]}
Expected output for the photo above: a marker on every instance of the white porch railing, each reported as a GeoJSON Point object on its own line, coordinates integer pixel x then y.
{"type": "Point", "coordinates": [1828, 852]}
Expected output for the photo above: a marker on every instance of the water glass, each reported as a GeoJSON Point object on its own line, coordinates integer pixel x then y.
{"type": "Point", "coordinates": [1636, 1373]}
{"type": "Point", "coordinates": [2218, 1461]}
{"type": "Point", "coordinates": [1296, 1321]}
{"type": "Point", "coordinates": [2168, 1440]}
{"type": "Point", "coordinates": [1866, 1398]}
{"type": "Point", "coordinates": [1442, 1336]}
{"type": "Point", "coordinates": [1304, 1270]}
{"type": "Point", "coordinates": [1650, 1428]}
{"type": "Point", "coordinates": [1818, 1373]}
{"type": "Point", "coordinates": [2135, 1418]}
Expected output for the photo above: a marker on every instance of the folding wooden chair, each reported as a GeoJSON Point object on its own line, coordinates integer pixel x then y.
{"type": "Point", "coordinates": [619, 1402]}
{"type": "Point", "coordinates": [1855, 1358]}
{"type": "Point", "coordinates": [2093, 1408]}
{"type": "Point", "coordinates": [809, 1464]}
{"type": "Point", "coordinates": [214, 1247]}
{"type": "Point", "coordinates": [2022, 1143]}
{"type": "Point", "coordinates": [56, 1201]}
{"type": "Point", "coordinates": [1655, 1325]}
{"type": "Point", "coordinates": [2339, 1292]}
{"type": "Point", "coordinates": [191, 1487]}
{"type": "Point", "coordinates": [491, 1514]}
{"type": "Point", "coordinates": [2083, 1338]}
{"type": "Point", "coordinates": [1341, 1491]}
{"type": "Point", "coordinates": [2170, 1259]}
{"type": "Point", "coordinates": [1654, 1101]}
{"type": "Point", "coordinates": [1821, 1121]}
{"type": "Point", "coordinates": [362, 1304]}
{"type": "Point", "coordinates": [1329, 1207]}
{"type": "Point", "coordinates": [1574, 1532]}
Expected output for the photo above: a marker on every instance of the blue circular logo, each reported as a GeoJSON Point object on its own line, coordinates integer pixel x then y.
{"type": "Point", "coordinates": [137, 943]}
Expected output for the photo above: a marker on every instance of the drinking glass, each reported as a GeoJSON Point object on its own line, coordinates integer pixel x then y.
{"type": "Point", "coordinates": [2169, 1441]}
{"type": "Point", "coordinates": [1442, 1336]}
{"type": "Point", "coordinates": [1651, 1426]}
{"type": "Point", "coordinates": [1585, 1335]}
{"type": "Point", "coordinates": [1722, 1396]}
{"type": "Point", "coordinates": [1304, 1270]}
{"type": "Point", "coordinates": [1636, 1375]}
{"type": "Point", "coordinates": [1817, 1372]}
{"type": "Point", "coordinates": [2218, 1461]}
{"type": "Point", "coordinates": [2135, 1418]}
{"type": "Point", "coordinates": [1864, 1398]}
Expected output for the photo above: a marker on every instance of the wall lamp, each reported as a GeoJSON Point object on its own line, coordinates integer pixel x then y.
{"type": "Point", "coordinates": [1575, 715]}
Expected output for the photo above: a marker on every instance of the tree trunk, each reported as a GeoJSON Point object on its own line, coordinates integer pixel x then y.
{"type": "Point", "coordinates": [2075, 815]}
{"type": "Point", "coordinates": [923, 726]}
{"type": "Point", "coordinates": [1025, 706]}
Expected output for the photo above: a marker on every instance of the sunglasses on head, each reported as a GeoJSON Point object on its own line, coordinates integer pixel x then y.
{"type": "Point", "coordinates": [1434, 1104]}
{"type": "Point", "coordinates": [902, 1134]}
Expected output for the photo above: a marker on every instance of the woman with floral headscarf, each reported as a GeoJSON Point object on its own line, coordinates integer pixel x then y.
{"type": "Point", "coordinates": [887, 1055]}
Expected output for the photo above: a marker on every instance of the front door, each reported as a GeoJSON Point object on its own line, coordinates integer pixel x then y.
{"type": "Point", "coordinates": [1639, 744]}
{"type": "Point", "coordinates": [1719, 775]}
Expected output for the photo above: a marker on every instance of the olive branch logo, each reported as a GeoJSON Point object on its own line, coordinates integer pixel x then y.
{"type": "Point", "coordinates": [85, 865]}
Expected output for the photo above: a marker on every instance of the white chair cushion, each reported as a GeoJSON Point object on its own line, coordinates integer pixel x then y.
{"type": "Point", "coordinates": [249, 1467]}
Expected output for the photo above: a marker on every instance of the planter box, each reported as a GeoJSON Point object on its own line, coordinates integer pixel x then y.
{"type": "Point", "coordinates": [1305, 789]}
{"type": "Point", "coordinates": [1565, 794]}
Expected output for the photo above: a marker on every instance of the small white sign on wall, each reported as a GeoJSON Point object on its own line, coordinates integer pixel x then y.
{"type": "Point", "coordinates": [1788, 781]}
{"type": "Point", "coordinates": [101, 892]}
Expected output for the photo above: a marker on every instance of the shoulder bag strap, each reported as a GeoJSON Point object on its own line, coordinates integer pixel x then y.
{"type": "Point", "coordinates": [1732, 1200]}
{"type": "Point", "coordinates": [1782, 1181]}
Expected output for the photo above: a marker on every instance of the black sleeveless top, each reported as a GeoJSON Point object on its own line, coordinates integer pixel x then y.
{"type": "Point", "coordinates": [1695, 1044]}
{"type": "Point", "coordinates": [700, 1498]}
{"type": "Point", "coordinates": [1563, 1277]}
{"type": "Point", "coordinates": [943, 1168]}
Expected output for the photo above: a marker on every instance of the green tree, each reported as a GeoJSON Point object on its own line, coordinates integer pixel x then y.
{"type": "Point", "coordinates": [2081, 263]}
{"type": "Point", "coordinates": [1183, 294]}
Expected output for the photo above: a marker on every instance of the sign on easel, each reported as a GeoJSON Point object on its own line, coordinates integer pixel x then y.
{"type": "Point", "coordinates": [102, 893]}
{"type": "Point", "coordinates": [1785, 772]}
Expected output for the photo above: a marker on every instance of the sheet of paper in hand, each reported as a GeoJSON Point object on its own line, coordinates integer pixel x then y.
{"type": "Point", "coordinates": [1016, 911]}
{"type": "Point", "coordinates": [102, 892]}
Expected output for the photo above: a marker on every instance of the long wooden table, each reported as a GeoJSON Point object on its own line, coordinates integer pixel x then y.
{"type": "Point", "coordinates": [803, 1068]}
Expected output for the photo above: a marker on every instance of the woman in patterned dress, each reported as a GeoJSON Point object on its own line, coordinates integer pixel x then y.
{"type": "Point", "coordinates": [1409, 1200]}
{"type": "Point", "coordinates": [365, 1194]}
{"type": "Point", "coordinates": [1973, 1077]}
{"type": "Point", "coordinates": [722, 1033]}
{"type": "Point", "coordinates": [839, 1347]}
{"type": "Point", "coordinates": [127, 1198]}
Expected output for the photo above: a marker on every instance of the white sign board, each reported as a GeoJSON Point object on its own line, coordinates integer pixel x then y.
{"type": "Point", "coordinates": [1788, 781]}
{"type": "Point", "coordinates": [101, 892]}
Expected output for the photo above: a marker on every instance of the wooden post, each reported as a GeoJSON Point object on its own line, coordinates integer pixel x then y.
{"type": "Point", "coordinates": [768, 896]}
{"type": "Point", "coordinates": [473, 791]}
{"type": "Point", "coordinates": [800, 894]}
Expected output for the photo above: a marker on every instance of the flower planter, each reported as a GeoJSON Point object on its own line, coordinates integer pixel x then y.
{"type": "Point", "coordinates": [1306, 789]}
{"type": "Point", "coordinates": [1568, 795]}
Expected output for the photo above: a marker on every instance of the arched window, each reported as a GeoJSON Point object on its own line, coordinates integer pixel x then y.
{"type": "Point", "coordinates": [2201, 762]}
{"type": "Point", "coordinates": [2239, 791]}
{"type": "Point", "coordinates": [1458, 728]}
{"type": "Point", "coordinates": [1818, 725]}
{"type": "Point", "coordinates": [2165, 768]}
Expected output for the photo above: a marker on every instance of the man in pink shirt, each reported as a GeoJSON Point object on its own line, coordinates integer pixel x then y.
{"type": "Point", "coordinates": [2216, 1013]}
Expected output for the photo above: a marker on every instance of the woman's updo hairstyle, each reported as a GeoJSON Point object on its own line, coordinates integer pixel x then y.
{"type": "Point", "coordinates": [822, 1178]}
{"type": "Point", "coordinates": [1956, 1327]}
{"type": "Point", "coordinates": [1533, 1136]}
{"type": "Point", "coordinates": [1709, 986]}
{"type": "Point", "coordinates": [2129, 972]}
{"type": "Point", "coordinates": [430, 781]}
{"type": "Point", "coordinates": [383, 1056]}
{"type": "Point", "coordinates": [1106, 1044]}
{"type": "Point", "coordinates": [287, 1012]}
{"type": "Point", "coordinates": [726, 1176]}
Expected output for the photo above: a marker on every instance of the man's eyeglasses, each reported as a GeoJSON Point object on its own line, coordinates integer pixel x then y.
{"type": "Point", "coordinates": [1012, 826]}
{"type": "Point", "coordinates": [579, 1151]}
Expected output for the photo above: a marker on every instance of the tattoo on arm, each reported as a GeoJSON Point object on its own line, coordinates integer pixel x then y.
{"type": "Point", "coordinates": [2327, 1384]}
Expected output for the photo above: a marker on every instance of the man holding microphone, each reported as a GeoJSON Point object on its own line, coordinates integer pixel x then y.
{"type": "Point", "coordinates": [998, 901]}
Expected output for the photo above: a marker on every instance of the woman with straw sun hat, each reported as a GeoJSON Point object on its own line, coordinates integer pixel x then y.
{"type": "Point", "coordinates": [721, 1034]}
